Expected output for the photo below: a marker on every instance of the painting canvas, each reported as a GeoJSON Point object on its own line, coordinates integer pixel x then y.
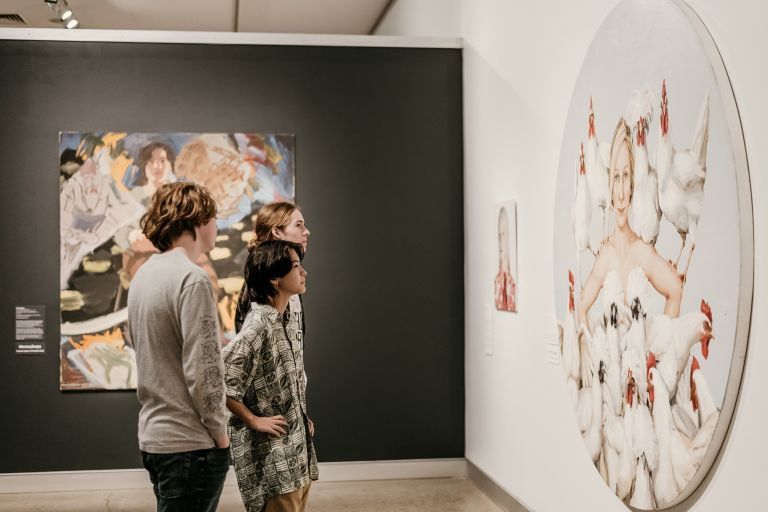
{"type": "Point", "coordinates": [106, 184]}
{"type": "Point", "coordinates": [505, 282]}
{"type": "Point", "coordinates": [652, 245]}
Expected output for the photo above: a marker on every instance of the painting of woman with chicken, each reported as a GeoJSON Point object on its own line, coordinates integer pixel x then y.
{"type": "Point", "coordinates": [648, 266]}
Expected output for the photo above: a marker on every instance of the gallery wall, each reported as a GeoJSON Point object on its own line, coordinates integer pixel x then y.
{"type": "Point", "coordinates": [521, 60]}
{"type": "Point", "coordinates": [378, 174]}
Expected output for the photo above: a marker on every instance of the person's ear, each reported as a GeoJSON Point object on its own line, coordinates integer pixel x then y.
{"type": "Point", "coordinates": [275, 282]}
{"type": "Point", "coordinates": [277, 233]}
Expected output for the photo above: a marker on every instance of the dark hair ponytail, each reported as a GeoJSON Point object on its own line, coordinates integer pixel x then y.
{"type": "Point", "coordinates": [266, 261]}
{"type": "Point", "coordinates": [243, 305]}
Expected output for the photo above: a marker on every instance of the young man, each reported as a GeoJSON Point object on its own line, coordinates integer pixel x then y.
{"type": "Point", "coordinates": [173, 324]}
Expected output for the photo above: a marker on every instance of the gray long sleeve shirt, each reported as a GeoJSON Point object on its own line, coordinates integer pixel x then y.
{"type": "Point", "coordinates": [173, 324]}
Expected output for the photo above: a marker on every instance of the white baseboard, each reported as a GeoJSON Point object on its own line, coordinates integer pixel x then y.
{"type": "Point", "coordinates": [498, 494]}
{"type": "Point", "coordinates": [117, 479]}
{"type": "Point", "coordinates": [392, 469]}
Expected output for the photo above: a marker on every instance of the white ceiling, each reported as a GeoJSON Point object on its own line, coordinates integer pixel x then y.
{"type": "Point", "coordinates": [280, 16]}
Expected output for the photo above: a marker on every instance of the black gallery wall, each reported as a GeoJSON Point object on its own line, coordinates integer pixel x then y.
{"type": "Point", "coordinates": [378, 175]}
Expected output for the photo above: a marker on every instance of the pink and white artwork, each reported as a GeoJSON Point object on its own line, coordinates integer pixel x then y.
{"type": "Point", "coordinates": [505, 282]}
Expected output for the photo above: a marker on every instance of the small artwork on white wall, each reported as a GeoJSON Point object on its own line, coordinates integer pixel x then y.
{"type": "Point", "coordinates": [505, 283]}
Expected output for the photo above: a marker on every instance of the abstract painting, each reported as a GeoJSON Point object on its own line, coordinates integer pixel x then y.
{"type": "Point", "coordinates": [106, 184]}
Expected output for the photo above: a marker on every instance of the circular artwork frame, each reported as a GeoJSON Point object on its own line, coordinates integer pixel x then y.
{"type": "Point", "coordinates": [649, 53]}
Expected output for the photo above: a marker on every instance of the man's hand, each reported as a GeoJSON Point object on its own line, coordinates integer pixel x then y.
{"type": "Point", "coordinates": [222, 441]}
{"type": "Point", "coordinates": [311, 428]}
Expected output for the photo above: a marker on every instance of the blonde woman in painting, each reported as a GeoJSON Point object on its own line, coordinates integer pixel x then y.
{"type": "Point", "coordinates": [504, 284]}
{"type": "Point", "coordinates": [624, 251]}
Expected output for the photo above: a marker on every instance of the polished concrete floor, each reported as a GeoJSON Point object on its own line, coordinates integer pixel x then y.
{"type": "Point", "coordinates": [422, 495]}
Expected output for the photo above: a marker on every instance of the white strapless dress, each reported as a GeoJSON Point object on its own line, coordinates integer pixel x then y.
{"type": "Point", "coordinates": [637, 287]}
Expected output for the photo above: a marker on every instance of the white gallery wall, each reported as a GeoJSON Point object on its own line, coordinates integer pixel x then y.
{"type": "Point", "coordinates": [521, 60]}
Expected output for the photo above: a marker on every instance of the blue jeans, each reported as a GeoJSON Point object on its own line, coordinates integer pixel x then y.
{"type": "Point", "coordinates": [187, 481]}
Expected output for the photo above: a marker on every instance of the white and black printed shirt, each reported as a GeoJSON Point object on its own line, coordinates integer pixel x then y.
{"type": "Point", "coordinates": [264, 369]}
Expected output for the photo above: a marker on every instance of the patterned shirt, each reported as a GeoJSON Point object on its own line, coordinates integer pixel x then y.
{"type": "Point", "coordinates": [265, 371]}
{"type": "Point", "coordinates": [295, 329]}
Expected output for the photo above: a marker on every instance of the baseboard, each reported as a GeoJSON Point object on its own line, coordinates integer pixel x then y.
{"type": "Point", "coordinates": [117, 479]}
{"type": "Point", "coordinates": [493, 490]}
{"type": "Point", "coordinates": [392, 469]}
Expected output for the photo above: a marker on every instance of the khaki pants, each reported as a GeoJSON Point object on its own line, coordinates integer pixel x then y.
{"type": "Point", "coordinates": [291, 502]}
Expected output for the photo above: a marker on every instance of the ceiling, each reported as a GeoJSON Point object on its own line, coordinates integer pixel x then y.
{"type": "Point", "coordinates": [274, 16]}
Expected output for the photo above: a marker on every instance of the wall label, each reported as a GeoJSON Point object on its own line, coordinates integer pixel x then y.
{"type": "Point", "coordinates": [30, 330]}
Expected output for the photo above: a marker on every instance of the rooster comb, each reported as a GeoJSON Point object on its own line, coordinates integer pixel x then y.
{"type": "Point", "coordinates": [706, 310]}
{"type": "Point", "coordinates": [651, 361]}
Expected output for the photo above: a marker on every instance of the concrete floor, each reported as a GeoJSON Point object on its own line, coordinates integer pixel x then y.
{"type": "Point", "coordinates": [422, 495]}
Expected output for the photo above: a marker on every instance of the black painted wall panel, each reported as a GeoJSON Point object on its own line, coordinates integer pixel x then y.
{"type": "Point", "coordinates": [379, 176]}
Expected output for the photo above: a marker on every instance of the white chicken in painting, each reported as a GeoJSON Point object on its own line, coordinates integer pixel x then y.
{"type": "Point", "coordinates": [613, 298]}
{"type": "Point", "coordinates": [681, 175]}
{"type": "Point", "coordinates": [641, 439]}
{"type": "Point", "coordinates": [581, 214]}
{"type": "Point", "coordinates": [701, 396]}
{"type": "Point", "coordinates": [621, 461]}
{"type": "Point", "coordinates": [671, 341]}
{"type": "Point", "coordinates": [676, 466]}
{"type": "Point", "coordinates": [644, 213]}
{"type": "Point", "coordinates": [586, 355]}
{"type": "Point", "coordinates": [611, 432]}
{"type": "Point", "coordinates": [708, 412]}
{"type": "Point", "coordinates": [596, 165]}
{"type": "Point", "coordinates": [683, 407]}
{"type": "Point", "coordinates": [646, 450]}
{"type": "Point", "coordinates": [633, 357]}
{"type": "Point", "coordinates": [571, 344]}
{"type": "Point", "coordinates": [642, 492]}
{"type": "Point", "coordinates": [589, 410]}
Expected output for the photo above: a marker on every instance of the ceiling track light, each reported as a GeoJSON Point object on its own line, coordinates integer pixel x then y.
{"type": "Point", "coordinates": [63, 13]}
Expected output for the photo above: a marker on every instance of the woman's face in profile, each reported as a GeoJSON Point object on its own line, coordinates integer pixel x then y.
{"type": "Point", "coordinates": [296, 231]}
{"type": "Point", "coordinates": [294, 282]}
{"type": "Point", "coordinates": [621, 185]}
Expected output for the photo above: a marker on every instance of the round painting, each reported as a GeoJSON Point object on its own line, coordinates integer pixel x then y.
{"type": "Point", "coordinates": [653, 252]}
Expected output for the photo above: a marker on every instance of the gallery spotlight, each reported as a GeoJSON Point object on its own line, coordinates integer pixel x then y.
{"type": "Point", "coordinates": [63, 13]}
